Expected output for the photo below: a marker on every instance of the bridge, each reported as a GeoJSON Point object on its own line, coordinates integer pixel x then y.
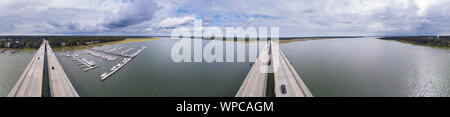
{"type": "Point", "coordinates": [60, 85]}
{"type": "Point", "coordinates": [30, 82]}
{"type": "Point", "coordinates": [271, 57]}
{"type": "Point", "coordinates": [255, 83]}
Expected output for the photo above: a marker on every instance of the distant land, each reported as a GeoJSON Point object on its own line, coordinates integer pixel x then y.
{"type": "Point", "coordinates": [281, 38]}
{"type": "Point", "coordinates": [442, 41]}
{"type": "Point", "coordinates": [20, 42]}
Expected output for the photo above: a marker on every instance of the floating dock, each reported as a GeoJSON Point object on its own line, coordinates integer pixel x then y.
{"type": "Point", "coordinates": [110, 52]}
{"type": "Point", "coordinates": [121, 64]}
{"type": "Point", "coordinates": [104, 57]}
{"type": "Point", "coordinates": [83, 62]}
{"type": "Point", "coordinates": [115, 68]}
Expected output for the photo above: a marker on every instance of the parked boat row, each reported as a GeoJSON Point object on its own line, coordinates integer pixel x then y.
{"type": "Point", "coordinates": [115, 68]}
{"type": "Point", "coordinates": [123, 53]}
{"type": "Point", "coordinates": [113, 49]}
{"type": "Point", "coordinates": [105, 57]}
{"type": "Point", "coordinates": [138, 51]}
{"type": "Point", "coordinates": [111, 52]}
{"type": "Point", "coordinates": [126, 51]}
{"type": "Point", "coordinates": [85, 64]}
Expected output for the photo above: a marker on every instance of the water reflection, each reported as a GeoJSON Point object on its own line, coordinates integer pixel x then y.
{"type": "Point", "coordinates": [370, 67]}
{"type": "Point", "coordinates": [329, 67]}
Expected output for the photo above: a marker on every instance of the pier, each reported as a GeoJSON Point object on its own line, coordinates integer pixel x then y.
{"type": "Point", "coordinates": [104, 57]}
{"type": "Point", "coordinates": [122, 54]}
{"type": "Point", "coordinates": [110, 52]}
{"type": "Point", "coordinates": [113, 70]}
{"type": "Point", "coordinates": [84, 62]}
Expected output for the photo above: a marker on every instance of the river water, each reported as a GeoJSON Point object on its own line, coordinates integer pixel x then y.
{"type": "Point", "coordinates": [329, 67]}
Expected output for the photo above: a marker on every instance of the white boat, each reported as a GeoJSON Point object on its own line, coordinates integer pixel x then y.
{"type": "Point", "coordinates": [113, 68]}
{"type": "Point", "coordinates": [104, 74]}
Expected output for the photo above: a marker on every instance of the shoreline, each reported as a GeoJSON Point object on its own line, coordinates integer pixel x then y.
{"type": "Point", "coordinates": [128, 40]}
{"type": "Point", "coordinates": [415, 44]}
{"type": "Point", "coordinates": [80, 47]}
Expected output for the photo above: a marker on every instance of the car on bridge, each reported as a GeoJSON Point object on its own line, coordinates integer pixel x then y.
{"type": "Point", "coordinates": [283, 89]}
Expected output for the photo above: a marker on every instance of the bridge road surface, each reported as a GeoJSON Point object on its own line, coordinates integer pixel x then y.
{"type": "Point", "coordinates": [255, 83]}
{"type": "Point", "coordinates": [30, 82]}
{"type": "Point", "coordinates": [60, 85]}
{"type": "Point", "coordinates": [285, 74]}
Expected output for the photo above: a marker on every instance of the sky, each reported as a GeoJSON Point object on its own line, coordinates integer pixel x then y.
{"type": "Point", "coordinates": [159, 17]}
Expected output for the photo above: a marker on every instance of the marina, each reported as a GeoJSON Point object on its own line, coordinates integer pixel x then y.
{"type": "Point", "coordinates": [153, 73]}
{"type": "Point", "coordinates": [105, 57]}
{"type": "Point", "coordinates": [115, 68]}
{"type": "Point", "coordinates": [112, 51]}
{"type": "Point", "coordinates": [126, 51]}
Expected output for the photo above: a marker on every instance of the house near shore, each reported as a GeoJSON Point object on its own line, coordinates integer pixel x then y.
{"type": "Point", "coordinates": [7, 45]}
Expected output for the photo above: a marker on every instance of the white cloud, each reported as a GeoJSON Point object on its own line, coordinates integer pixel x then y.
{"type": "Point", "coordinates": [294, 17]}
{"type": "Point", "coordinates": [175, 21]}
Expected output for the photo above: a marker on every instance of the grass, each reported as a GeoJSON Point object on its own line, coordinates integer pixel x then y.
{"type": "Point", "coordinates": [19, 49]}
{"type": "Point", "coordinates": [301, 39]}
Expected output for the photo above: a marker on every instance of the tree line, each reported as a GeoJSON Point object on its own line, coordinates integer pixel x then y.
{"type": "Point", "coordinates": [54, 41]}
{"type": "Point", "coordinates": [423, 40]}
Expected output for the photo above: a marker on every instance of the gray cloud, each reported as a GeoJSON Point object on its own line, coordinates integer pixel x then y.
{"type": "Point", "coordinates": [139, 11]}
{"type": "Point", "coordinates": [294, 17]}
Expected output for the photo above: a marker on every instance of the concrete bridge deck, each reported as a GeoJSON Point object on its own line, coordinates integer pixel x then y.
{"type": "Point", "coordinates": [286, 75]}
{"type": "Point", "coordinates": [60, 85]}
{"type": "Point", "coordinates": [30, 82]}
{"type": "Point", "coordinates": [254, 84]}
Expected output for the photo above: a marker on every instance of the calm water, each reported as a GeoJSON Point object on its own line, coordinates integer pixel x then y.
{"type": "Point", "coordinates": [370, 67]}
{"type": "Point", "coordinates": [11, 67]}
{"type": "Point", "coordinates": [331, 67]}
{"type": "Point", "coordinates": [153, 73]}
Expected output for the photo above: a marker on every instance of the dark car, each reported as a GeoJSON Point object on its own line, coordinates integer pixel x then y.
{"type": "Point", "coordinates": [283, 89]}
{"type": "Point", "coordinates": [53, 68]}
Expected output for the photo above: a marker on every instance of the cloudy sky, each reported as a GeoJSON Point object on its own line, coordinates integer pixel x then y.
{"type": "Point", "coordinates": [159, 17]}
